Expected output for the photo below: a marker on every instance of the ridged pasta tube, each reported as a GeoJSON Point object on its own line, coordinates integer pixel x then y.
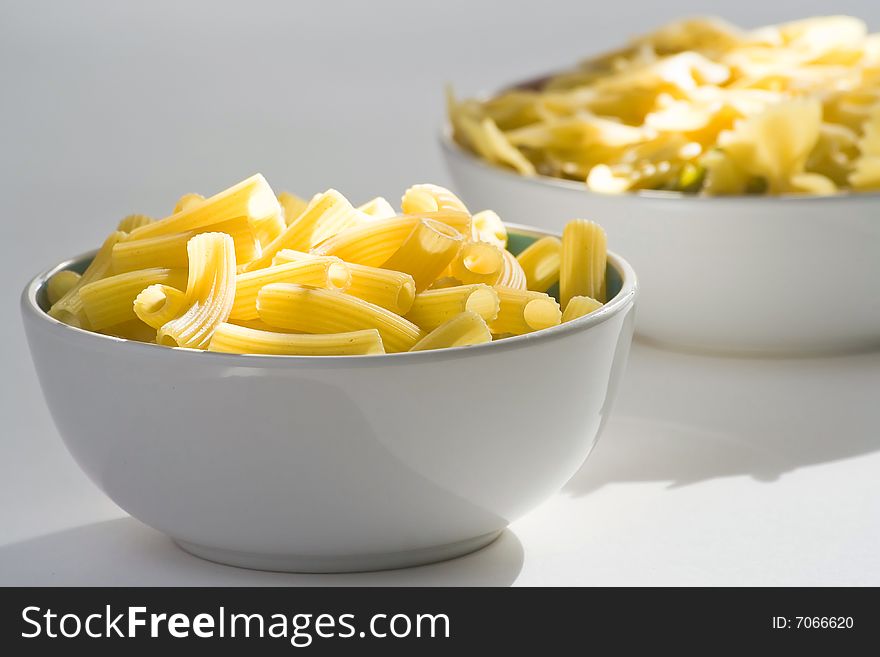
{"type": "Point", "coordinates": [486, 226]}
{"type": "Point", "coordinates": [426, 253]}
{"type": "Point", "coordinates": [158, 304]}
{"type": "Point", "coordinates": [327, 272]}
{"type": "Point", "coordinates": [477, 262]}
{"type": "Point", "coordinates": [327, 214]}
{"type": "Point", "coordinates": [314, 310]}
{"type": "Point", "coordinates": [110, 300]}
{"type": "Point", "coordinates": [540, 261]}
{"type": "Point", "coordinates": [171, 250]}
{"type": "Point", "coordinates": [464, 329]}
{"type": "Point", "coordinates": [210, 292]}
{"type": "Point", "coordinates": [512, 274]}
{"type": "Point", "coordinates": [60, 283]}
{"type": "Point", "coordinates": [251, 198]}
{"type": "Point", "coordinates": [234, 339]}
{"type": "Point", "coordinates": [578, 307]}
{"type": "Point", "coordinates": [584, 255]}
{"type": "Point", "coordinates": [132, 221]}
{"type": "Point", "coordinates": [393, 290]}
{"type": "Point", "coordinates": [68, 309]}
{"type": "Point", "coordinates": [434, 307]}
{"type": "Point", "coordinates": [370, 244]}
{"type": "Point", "coordinates": [524, 311]}
{"type": "Point", "coordinates": [430, 198]}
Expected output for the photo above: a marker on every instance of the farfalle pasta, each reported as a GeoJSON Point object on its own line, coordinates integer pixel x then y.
{"type": "Point", "coordinates": [223, 274]}
{"type": "Point", "coordinates": [698, 106]}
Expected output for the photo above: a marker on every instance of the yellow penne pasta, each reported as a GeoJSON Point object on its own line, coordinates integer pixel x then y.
{"type": "Point", "coordinates": [68, 309]}
{"type": "Point", "coordinates": [110, 301]}
{"type": "Point", "coordinates": [132, 221]}
{"type": "Point", "coordinates": [267, 229]}
{"type": "Point", "coordinates": [430, 198]}
{"type": "Point", "coordinates": [369, 244]}
{"type": "Point", "coordinates": [158, 304]}
{"type": "Point", "coordinates": [477, 262]}
{"type": "Point", "coordinates": [60, 283]}
{"type": "Point", "coordinates": [486, 226]}
{"type": "Point", "coordinates": [292, 205]}
{"type": "Point", "coordinates": [584, 256]}
{"type": "Point", "coordinates": [464, 329]}
{"type": "Point", "coordinates": [512, 274]}
{"type": "Point", "coordinates": [170, 250]}
{"type": "Point", "coordinates": [434, 307]}
{"type": "Point", "coordinates": [314, 310]}
{"type": "Point", "coordinates": [444, 282]}
{"type": "Point", "coordinates": [187, 201]}
{"type": "Point", "coordinates": [540, 262]}
{"type": "Point", "coordinates": [392, 290]}
{"type": "Point", "coordinates": [326, 215]}
{"type": "Point", "coordinates": [578, 307]}
{"type": "Point", "coordinates": [327, 272]}
{"type": "Point", "coordinates": [210, 292]}
{"type": "Point", "coordinates": [260, 325]}
{"type": "Point", "coordinates": [524, 311]}
{"type": "Point", "coordinates": [378, 208]}
{"type": "Point", "coordinates": [251, 198]}
{"type": "Point", "coordinates": [426, 253]}
{"type": "Point", "coordinates": [234, 339]}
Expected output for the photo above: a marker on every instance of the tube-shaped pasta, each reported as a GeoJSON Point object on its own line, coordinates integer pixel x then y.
{"type": "Point", "coordinates": [378, 208]}
{"type": "Point", "coordinates": [110, 300]}
{"type": "Point", "coordinates": [60, 283]}
{"type": "Point", "coordinates": [210, 292]}
{"type": "Point", "coordinates": [524, 311]}
{"type": "Point", "coordinates": [393, 290]}
{"type": "Point", "coordinates": [251, 198]}
{"type": "Point", "coordinates": [464, 329]}
{"type": "Point", "coordinates": [260, 325]}
{"type": "Point", "coordinates": [292, 205]}
{"type": "Point", "coordinates": [426, 252]}
{"type": "Point", "coordinates": [370, 244]}
{"type": "Point", "coordinates": [132, 221]}
{"type": "Point", "coordinates": [540, 261]}
{"type": "Point", "coordinates": [486, 226]}
{"type": "Point", "coordinates": [444, 282]}
{"type": "Point", "coordinates": [234, 339]}
{"type": "Point", "coordinates": [512, 274]}
{"type": "Point", "coordinates": [477, 262]}
{"type": "Point", "coordinates": [582, 268]}
{"type": "Point", "coordinates": [314, 310]}
{"type": "Point", "coordinates": [171, 250]}
{"type": "Point", "coordinates": [269, 228]}
{"type": "Point", "coordinates": [158, 304]}
{"type": "Point", "coordinates": [68, 309]}
{"type": "Point", "coordinates": [187, 201]}
{"type": "Point", "coordinates": [578, 307]}
{"type": "Point", "coordinates": [430, 198]}
{"type": "Point", "coordinates": [326, 215]}
{"type": "Point", "coordinates": [327, 272]}
{"type": "Point", "coordinates": [433, 307]}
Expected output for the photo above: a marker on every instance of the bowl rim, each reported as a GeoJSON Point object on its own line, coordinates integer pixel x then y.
{"type": "Point", "coordinates": [454, 149]}
{"type": "Point", "coordinates": [622, 300]}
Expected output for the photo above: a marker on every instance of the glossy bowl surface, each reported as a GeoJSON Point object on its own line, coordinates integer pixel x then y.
{"type": "Point", "coordinates": [338, 463]}
{"type": "Point", "coordinates": [740, 275]}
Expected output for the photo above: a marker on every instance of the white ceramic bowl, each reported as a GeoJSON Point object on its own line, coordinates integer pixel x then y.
{"type": "Point", "coordinates": [332, 463]}
{"type": "Point", "coordinates": [756, 275]}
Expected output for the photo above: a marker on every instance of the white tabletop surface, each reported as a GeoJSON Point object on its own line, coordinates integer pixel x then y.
{"type": "Point", "coordinates": [712, 470]}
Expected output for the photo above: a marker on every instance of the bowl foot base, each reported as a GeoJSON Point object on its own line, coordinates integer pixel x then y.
{"type": "Point", "coordinates": [339, 564]}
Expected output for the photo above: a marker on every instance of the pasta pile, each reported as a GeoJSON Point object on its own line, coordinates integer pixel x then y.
{"type": "Point", "coordinates": [248, 272]}
{"type": "Point", "coordinates": [699, 106]}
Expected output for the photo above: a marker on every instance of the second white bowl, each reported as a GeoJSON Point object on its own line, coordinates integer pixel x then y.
{"type": "Point", "coordinates": [756, 275]}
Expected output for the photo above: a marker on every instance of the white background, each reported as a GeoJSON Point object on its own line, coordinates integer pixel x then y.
{"type": "Point", "coordinates": [713, 471]}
